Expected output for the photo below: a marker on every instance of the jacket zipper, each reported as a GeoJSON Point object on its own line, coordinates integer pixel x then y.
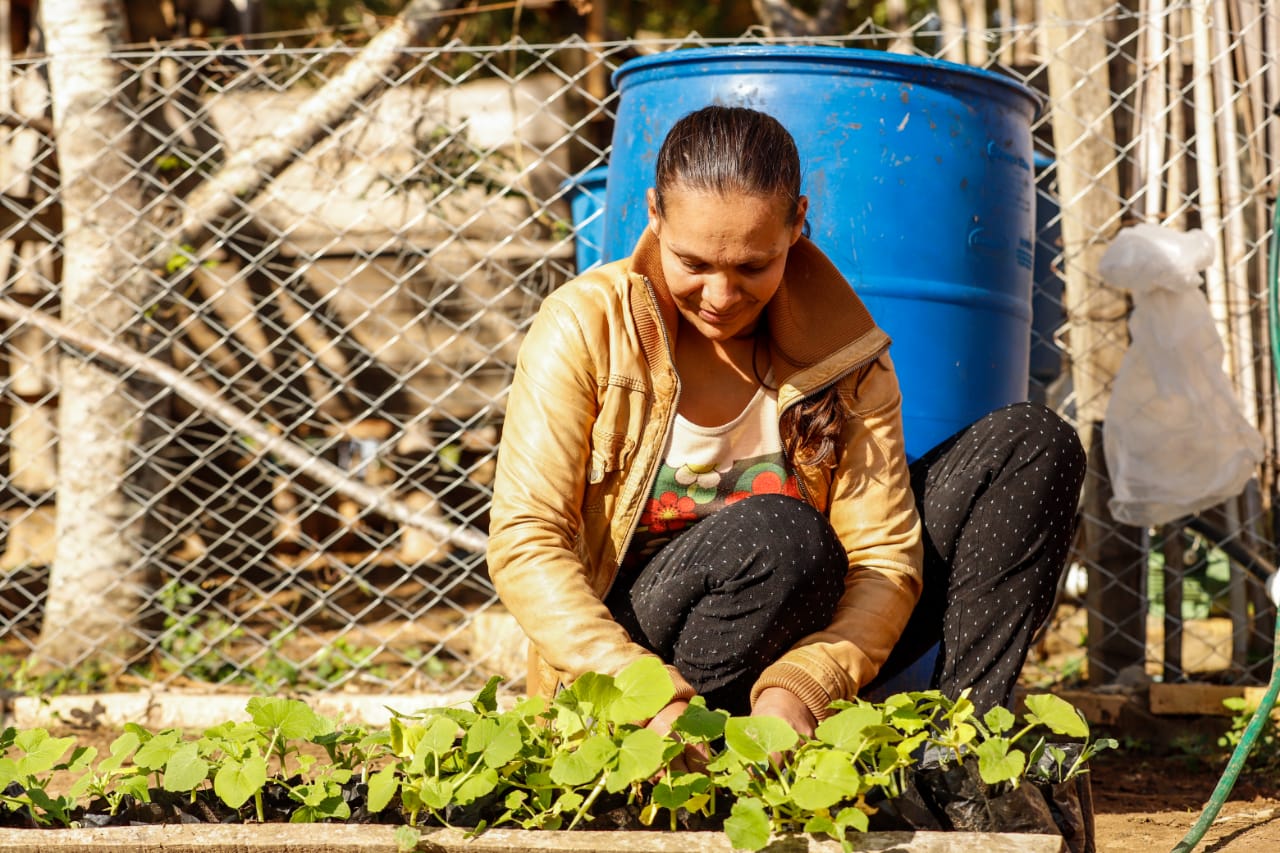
{"type": "Point", "coordinates": [671, 422]}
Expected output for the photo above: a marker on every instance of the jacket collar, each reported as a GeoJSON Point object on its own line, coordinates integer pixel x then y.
{"type": "Point", "coordinates": [814, 318]}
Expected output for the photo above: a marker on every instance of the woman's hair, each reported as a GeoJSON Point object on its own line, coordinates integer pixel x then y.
{"type": "Point", "coordinates": [730, 149]}
{"type": "Point", "coordinates": [736, 149]}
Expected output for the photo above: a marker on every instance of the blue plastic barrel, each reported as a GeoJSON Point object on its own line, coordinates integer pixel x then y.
{"type": "Point", "coordinates": [1048, 288]}
{"type": "Point", "coordinates": [586, 193]}
{"type": "Point", "coordinates": [921, 192]}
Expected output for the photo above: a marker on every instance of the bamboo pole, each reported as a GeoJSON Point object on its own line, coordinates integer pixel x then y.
{"type": "Point", "coordinates": [1236, 260]}
{"type": "Point", "coordinates": [1271, 48]}
{"type": "Point", "coordinates": [1248, 19]}
{"type": "Point", "coordinates": [6, 59]}
{"type": "Point", "coordinates": [1084, 139]}
{"type": "Point", "coordinates": [1024, 12]}
{"type": "Point", "coordinates": [1154, 113]}
{"type": "Point", "coordinates": [896, 19]}
{"type": "Point", "coordinates": [1176, 187]}
{"type": "Point", "coordinates": [976, 32]}
{"type": "Point", "coordinates": [1210, 201]}
{"type": "Point", "coordinates": [1005, 50]}
{"type": "Point", "coordinates": [952, 21]}
{"type": "Point", "coordinates": [1245, 17]}
{"type": "Point", "coordinates": [597, 74]}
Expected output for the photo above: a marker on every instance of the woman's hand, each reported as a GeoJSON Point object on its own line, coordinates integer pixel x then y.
{"type": "Point", "coordinates": [786, 706]}
{"type": "Point", "coordinates": [695, 756]}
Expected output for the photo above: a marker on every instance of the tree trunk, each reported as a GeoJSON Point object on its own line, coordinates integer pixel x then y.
{"type": "Point", "coordinates": [95, 587]}
{"type": "Point", "coordinates": [97, 582]}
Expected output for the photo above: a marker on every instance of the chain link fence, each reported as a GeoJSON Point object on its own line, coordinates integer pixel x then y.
{"type": "Point", "coordinates": [320, 396]}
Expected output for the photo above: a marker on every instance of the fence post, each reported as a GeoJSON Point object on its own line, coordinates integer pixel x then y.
{"type": "Point", "coordinates": [1084, 139]}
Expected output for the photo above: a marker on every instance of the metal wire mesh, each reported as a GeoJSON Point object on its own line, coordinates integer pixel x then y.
{"type": "Point", "coordinates": [368, 303]}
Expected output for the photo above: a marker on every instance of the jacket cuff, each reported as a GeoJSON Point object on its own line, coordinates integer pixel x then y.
{"type": "Point", "coordinates": [684, 690]}
{"type": "Point", "coordinates": [795, 679]}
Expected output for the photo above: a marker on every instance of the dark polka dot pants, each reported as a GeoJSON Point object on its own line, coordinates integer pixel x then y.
{"type": "Point", "coordinates": [726, 598]}
{"type": "Point", "coordinates": [998, 502]}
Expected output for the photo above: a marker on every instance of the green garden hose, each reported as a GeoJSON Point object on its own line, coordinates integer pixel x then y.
{"type": "Point", "coordinates": [1260, 717]}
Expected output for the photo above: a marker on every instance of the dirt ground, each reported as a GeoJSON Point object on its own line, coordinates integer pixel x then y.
{"type": "Point", "coordinates": [1148, 803]}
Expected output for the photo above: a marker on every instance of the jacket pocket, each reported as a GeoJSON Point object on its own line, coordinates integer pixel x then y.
{"type": "Point", "coordinates": [614, 439]}
{"type": "Point", "coordinates": [610, 453]}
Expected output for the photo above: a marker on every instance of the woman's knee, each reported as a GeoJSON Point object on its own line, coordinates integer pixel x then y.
{"type": "Point", "coordinates": [1036, 431]}
{"type": "Point", "coordinates": [799, 539]}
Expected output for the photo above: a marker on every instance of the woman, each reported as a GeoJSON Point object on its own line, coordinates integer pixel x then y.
{"type": "Point", "coordinates": [703, 461]}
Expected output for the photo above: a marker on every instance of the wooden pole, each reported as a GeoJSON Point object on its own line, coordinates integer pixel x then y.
{"type": "Point", "coordinates": [1176, 185]}
{"type": "Point", "coordinates": [952, 20]}
{"type": "Point", "coordinates": [1206, 144]}
{"type": "Point", "coordinates": [1236, 258]}
{"type": "Point", "coordinates": [976, 31]}
{"type": "Point", "coordinates": [1154, 113]}
{"type": "Point", "coordinates": [1024, 12]}
{"type": "Point", "coordinates": [896, 19]}
{"type": "Point", "coordinates": [1084, 140]}
{"type": "Point", "coordinates": [1005, 50]}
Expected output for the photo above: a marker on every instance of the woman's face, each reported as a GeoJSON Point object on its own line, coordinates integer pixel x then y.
{"type": "Point", "coordinates": [723, 255]}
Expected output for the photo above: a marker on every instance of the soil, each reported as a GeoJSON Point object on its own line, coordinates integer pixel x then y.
{"type": "Point", "coordinates": [1149, 803]}
{"type": "Point", "coordinates": [1143, 802]}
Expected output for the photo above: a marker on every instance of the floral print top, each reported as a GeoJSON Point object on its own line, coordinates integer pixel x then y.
{"type": "Point", "coordinates": [707, 468]}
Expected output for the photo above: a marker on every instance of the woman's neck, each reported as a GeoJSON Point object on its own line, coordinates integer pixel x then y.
{"type": "Point", "coordinates": [718, 377]}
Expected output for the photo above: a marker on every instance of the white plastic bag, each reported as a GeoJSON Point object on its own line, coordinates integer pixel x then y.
{"type": "Point", "coordinates": [1175, 440]}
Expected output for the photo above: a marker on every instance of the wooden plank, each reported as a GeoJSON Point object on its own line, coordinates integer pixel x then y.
{"type": "Point", "coordinates": [338, 838]}
{"type": "Point", "coordinates": [1202, 700]}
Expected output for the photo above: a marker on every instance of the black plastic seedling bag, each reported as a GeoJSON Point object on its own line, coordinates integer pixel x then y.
{"type": "Point", "coordinates": [954, 797]}
{"type": "Point", "coordinates": [971, 805]}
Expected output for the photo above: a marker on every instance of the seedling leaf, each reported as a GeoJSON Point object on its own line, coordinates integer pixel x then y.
{"type": "Point", "coordinates": [1059, 715]}
{"type": "Point", "coordinates": [291, 717]}
{"type": "Point", "coordinates": [747, 826]}
{"type": "Point", "coordinates": [237, 781]}
{"type": "Point", "coordinates": [584, 763]}
{"type": "Point", "coordinates": [639, 757]}
{"type": "Point", "coordinates": [754, 738]}
{"type": "Point", "coordinates": [646, 688]}
{"type": "Point", "coordinates": [846, 730]}
{"type": "Point", "coordinates": [998, 763]}
{"type": "Point", "coordinates": [382, 787]}
{"type": "Point", "coordinates": [185, 769]}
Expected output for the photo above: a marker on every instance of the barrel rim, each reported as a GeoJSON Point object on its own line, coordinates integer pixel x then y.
{"type": "Point", "coordinates": [828, 53]}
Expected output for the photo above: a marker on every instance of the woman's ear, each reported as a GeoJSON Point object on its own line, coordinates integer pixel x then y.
{"type": "Point", "coordinates": [651, 200]}
{"type": "Point", "coordinates": [797, 227]}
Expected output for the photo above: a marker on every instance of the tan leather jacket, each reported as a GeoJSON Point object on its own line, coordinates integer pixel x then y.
{"type": "Point", "coordinates": [591, 406]}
